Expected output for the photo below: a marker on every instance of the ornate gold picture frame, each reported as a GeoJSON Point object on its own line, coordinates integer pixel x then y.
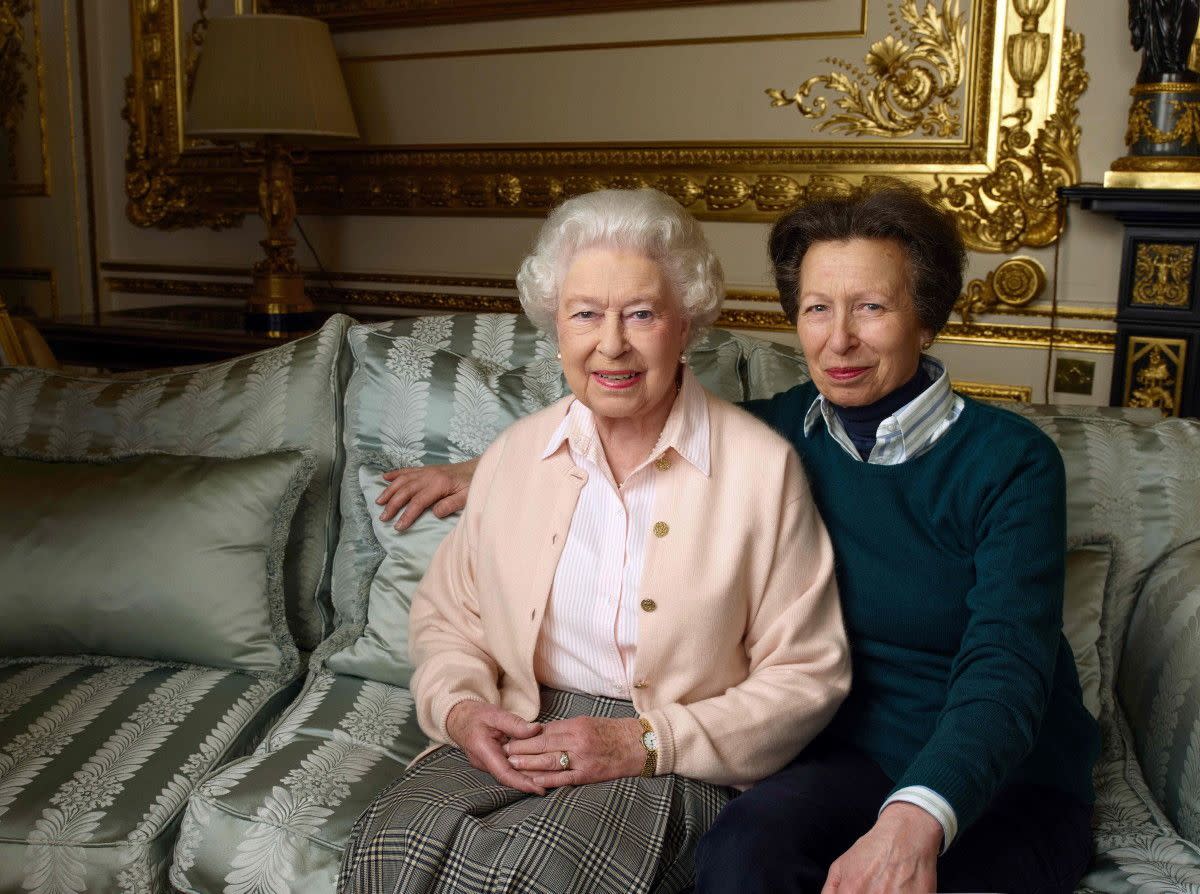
{"type": "Point", "coordinates": [973, 100]}
{"type": "Point", "coordinates": [400, 13]}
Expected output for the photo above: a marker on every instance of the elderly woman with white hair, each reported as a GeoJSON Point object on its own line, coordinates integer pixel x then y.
{"type": "Point", "coordinates": [593, 673]}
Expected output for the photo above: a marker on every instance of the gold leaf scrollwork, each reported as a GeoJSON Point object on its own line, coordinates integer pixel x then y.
{"type": "Point", "coordinates": [1014, 283]}
{"type": "Point", "coordinates": [13, 65]}
{"type": "Point", "coordinates": [156, 196]}
{"type": "Point", "coordinates": [1162, 274]}
{"type": "Point", "coordinates": [907, 84]}
{"type": "Point", "coordinates": [1156, 370]}
{"type": "Point", "coordinates": [1017, 203]}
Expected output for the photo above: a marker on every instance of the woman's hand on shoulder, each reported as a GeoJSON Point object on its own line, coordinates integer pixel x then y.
{"type": "Point", "coordinates": [899, 854]}
{"type": "Point", "coordinates": [598, 748]}
{"type": "Point", "coordinates": [481, 730]}
{"type": "Point", "coordinates": [444, 488]}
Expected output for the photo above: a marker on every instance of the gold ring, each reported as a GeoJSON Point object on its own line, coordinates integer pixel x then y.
{"type": "Point", "coordinates": [564, 760]}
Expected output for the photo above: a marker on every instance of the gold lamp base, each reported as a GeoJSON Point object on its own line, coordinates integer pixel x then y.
{"type": "Point", "coordinates": [278, 305]}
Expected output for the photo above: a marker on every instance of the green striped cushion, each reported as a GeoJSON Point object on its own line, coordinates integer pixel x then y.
{"type": "Point", "coordinates": [285, 397]}
{"type": "Point", "coordinates": [97, 762]}
{"type": "Point", "coordinates": [279, 819]}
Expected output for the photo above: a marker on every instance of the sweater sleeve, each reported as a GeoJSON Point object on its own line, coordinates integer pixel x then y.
{"type": "Point", "coordinates": [1001, 678]}
{"type": "Point", "coordinates": [799, 665]}
{"type": "Point", "coordinates": [446, 638]}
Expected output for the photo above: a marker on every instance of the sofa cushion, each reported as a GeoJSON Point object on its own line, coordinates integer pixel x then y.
{"type": "Point", "coordinates": [173, 558]}
{"type": "Point", "coordinates": [1137, 485]}
{"type": "Point", "coordinates": [440, 389]}
{"type": "Point", "coordinates": [279, 819]}
{"type": "Point", "coordinates": [285, 397]}
{"type": "Point", "coordinates": [1083, 602]}
{"type": "Point", "coordinates": [1159, 685]}
{"type": "Point", "coordinates": [98, 760]}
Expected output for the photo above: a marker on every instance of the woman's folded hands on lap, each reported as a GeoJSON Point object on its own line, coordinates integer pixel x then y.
{"type": "Point", "coordinates": [481, 731]}
{"type": "Point", "coordinates": [597, 748]}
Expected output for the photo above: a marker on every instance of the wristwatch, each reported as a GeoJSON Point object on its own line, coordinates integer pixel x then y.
{"type": "Point", "coordinates": [650, 743]}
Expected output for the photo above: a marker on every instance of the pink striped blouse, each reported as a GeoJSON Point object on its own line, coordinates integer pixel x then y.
{"type": "Point", "coordinates": [588, 638]}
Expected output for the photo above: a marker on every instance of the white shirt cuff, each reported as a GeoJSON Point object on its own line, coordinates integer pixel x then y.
{"type": "Point", "coordinates": [933, 804]}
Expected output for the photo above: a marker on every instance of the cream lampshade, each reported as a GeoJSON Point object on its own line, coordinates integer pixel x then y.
{"type": "Point", "coordinates": [272, 82]}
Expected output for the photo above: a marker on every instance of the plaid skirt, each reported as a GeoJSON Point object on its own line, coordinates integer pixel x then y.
{"type": "Point", "coordinates": [446, 827]}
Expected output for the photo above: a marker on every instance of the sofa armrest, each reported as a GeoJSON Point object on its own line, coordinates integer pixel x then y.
{"type": "Point", "coordinates": [1158, 685]}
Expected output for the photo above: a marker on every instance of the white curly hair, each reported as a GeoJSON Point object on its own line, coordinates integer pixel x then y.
{"type": "Point", "coordinates": [645, 221]}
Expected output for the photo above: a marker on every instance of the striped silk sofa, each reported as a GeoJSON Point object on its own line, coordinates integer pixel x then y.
{"type": "Point", "coordinates": [203, 660]}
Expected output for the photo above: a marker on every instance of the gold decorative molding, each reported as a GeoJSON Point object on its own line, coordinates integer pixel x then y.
{"type": "Point", "coordinates": [1021, 394]}
{"type": "Point", "coordinates": [1163, 87]}
{"type": "Point", "coordinates": [997, 176]}
{"type": "Point", "coordinates": [1099, 341]}
{"type": "Point", "coordinates": [1162, 274]}
{"type": "Point", "coordinates": [1014, 283]}
{"type": "Point", "coordinates": [158, 192]}
{"type": "Point", "coordinates": [758, 296]}
{"type": "Point", "coordinates": [341, 15]}
{"type": "Point", "coordinates": [16, 62]}
{"type": "Point", "coordinates": [995, 335]}
{"type": "Point", "coordinates": [907, 85]}
{"type": "Point", "coordinates": [1017, 204]}
{"type": "Point", "coordinates": [1154, 373]}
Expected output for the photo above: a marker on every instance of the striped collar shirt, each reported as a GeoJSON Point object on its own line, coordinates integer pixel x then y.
{"type": "Point", "coordinates": [588, 639]}
{"type": "Point", "coordinates": [907, 433]}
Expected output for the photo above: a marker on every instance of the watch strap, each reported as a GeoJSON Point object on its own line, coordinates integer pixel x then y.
{"type": "Point", "coordinates": [651, 765]}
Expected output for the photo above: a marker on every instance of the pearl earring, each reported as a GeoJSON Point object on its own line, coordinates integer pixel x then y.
{"type": "Point", "coordinates": [683, 358]}
{"type": "Point", "coordinates": [558, 356]}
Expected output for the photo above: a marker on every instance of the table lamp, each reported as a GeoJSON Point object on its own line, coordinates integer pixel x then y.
{"type": "Point", "coordinates": [269, 83]}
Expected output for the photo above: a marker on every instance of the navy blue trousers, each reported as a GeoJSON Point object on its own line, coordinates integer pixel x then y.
{"type": "Point", "coordinates": [782, 835]}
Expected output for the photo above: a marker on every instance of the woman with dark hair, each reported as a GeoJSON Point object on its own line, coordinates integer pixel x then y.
{"type": "Point", "coordinates": [961, 760]}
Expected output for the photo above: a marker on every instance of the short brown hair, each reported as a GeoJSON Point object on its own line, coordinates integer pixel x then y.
{"type": "Point", "coordinates": [929, 236]}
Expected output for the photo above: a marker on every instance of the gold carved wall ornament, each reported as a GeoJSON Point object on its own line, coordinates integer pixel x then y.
{"type": "Point", "coordinates": [1162, 274]}
{"type": "Point", "coordinates": [14, 64]}
{"type": "Point", "coordinates": [906, 85]}
{"type": "Point", "coordinates": [1017, 203]}
{"type": "Point", "coordinates": [159, 192]}
{"type": "Point", "coordinates": [23, 121]}
{"type": "Point", "coordinates": [1016, 72]}
{"type": "Point", "coordinates": [1154, 373]}
{"type": "Point", "coordinates": [1014, 283]}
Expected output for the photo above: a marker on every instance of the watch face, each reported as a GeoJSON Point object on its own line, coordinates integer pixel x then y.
{"type": "Point", "coordinates": [650, 741]}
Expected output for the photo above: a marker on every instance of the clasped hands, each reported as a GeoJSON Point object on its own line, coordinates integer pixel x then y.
{"type": "Point", "coordinates": [525, 756]}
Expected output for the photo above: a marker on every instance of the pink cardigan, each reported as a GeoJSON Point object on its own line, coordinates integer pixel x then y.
{"type": "Point", "coordinates": [741, 646]}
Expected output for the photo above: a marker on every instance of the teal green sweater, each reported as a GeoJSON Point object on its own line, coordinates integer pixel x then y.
{"type": "Point", "coordinates": [951, 569]}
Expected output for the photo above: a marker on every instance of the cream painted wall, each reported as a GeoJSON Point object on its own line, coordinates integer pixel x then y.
{"type": "Point", "coordinates": [654, 103]}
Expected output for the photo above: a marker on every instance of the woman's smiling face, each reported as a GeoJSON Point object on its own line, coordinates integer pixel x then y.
{"type": "Point", "coordinates": [621, 332]}
{"type": "Point", "coordinates": [856, 320]}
